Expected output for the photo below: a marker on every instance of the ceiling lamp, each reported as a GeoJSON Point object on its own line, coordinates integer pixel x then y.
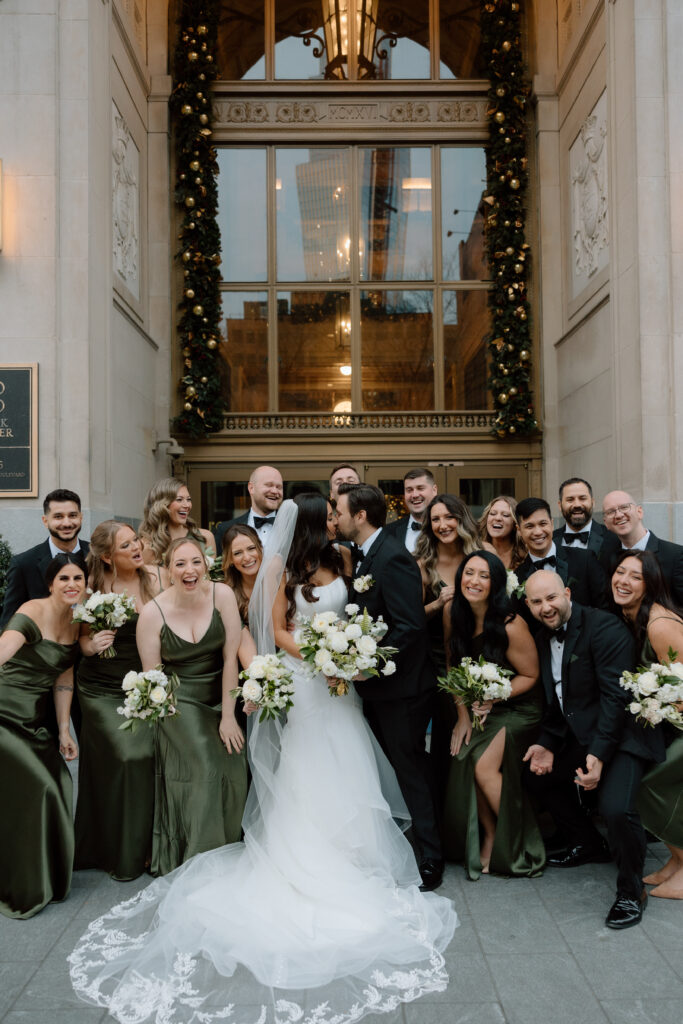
{"type": "Point", "coordinates": [350, 26]}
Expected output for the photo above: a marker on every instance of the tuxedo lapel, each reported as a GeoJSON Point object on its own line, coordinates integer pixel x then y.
{"type": "Point", "coordinates": [363, 567]}
{"type": "Point", "coordinates": [562, 566]}
{"type": "Point", "coordinates": [44, 559]}
{"type": "Point", "coordinates": [546, 667]}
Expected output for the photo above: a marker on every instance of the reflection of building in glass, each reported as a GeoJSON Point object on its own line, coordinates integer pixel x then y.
{"type": "Point", "coordinates": [245, 356]}
{"type": "Point", "coordinates": [313, 351]}
{"type": "Point", "coordinates": [323, 191]}
{"type": "Point", "coordinates": [466, 325]}
{"type": "Point", "coordinates": [383, 214]}
{"type": "Point", "coordinates": [398, 350]}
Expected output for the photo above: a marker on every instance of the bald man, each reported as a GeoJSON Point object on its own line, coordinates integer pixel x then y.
{"type": "Point", "coordinates": [266, 492]}
{"type": "Point", "coordinates": [624, 518]}
{"type": "Point", "coordinates": [588, 741]}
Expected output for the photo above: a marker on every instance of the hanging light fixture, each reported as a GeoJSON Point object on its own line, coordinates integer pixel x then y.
{"type": "Point", "coordinates": [350, 27]}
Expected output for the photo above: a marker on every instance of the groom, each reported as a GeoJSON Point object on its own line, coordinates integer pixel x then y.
{"type": "Point", "coordinates": [387, 582]}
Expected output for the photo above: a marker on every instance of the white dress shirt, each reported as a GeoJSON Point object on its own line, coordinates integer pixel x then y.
{"type": "Point", "coordinates": [411, 534]}
{"type": "Point", "coordinates": [581, 542]}
{"type": "Point", "coordinates": [54, 550]}
{"type": "Point", "coordinates": [369, 541]}
{"type": "Point", "coordinates": [640, 545]}
{"type": "Point", "coordinates": [265, 528]}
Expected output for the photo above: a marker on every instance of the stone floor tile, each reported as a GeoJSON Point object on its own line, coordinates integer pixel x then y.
{"type": "Point", "coordinates": [582, 923]}
{"type": "Point", "coordinates": [457, 1013]}
{"type": "Point", "coordinates": [13, 977]}
{"type": "Point", "coordinates": [541, 988]}
{"type": "Point", "coordinates": [530, 929]}
{"type": "Point", "coordinates": [469, 981]}
{"type": "Point", "coordinates": [33, 939]}
{"type": "Point", "coordinates": [627, 969]}
{"type": "Point", "coordinates": [643, 1011]}
{"type": "Point", "coordinates": [87, 1015]}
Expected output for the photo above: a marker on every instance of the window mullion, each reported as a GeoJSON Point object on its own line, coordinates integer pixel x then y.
{"type": "Point", "coordinates": [273, 359]}
{"type": "Point", "coordinates": [439, 397]}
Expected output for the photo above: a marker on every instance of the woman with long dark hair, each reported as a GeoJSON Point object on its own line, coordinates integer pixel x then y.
{"type": "Point", "coordinates": [640, 594]}
{"type": "Point", "coordinates": [498, 528]}
{"type": "Point", "coordinates": [488, 822]}
{"type": "Point", "coordinates": [242, 556]}
{"type": "Point", "coordinates": [37, 652]}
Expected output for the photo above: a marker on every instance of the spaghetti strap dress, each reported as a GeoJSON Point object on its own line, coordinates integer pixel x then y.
{"type": "Point", "coordinates": [37, 847]}
{"type": "Point", "coordinates": [115, 805]}
{"type": "Point", "coordinates": [200, 788]}
{"type": "Point", "coordinates": [518, 848]}
{"type": "Point", "coordinates": [660, 797]}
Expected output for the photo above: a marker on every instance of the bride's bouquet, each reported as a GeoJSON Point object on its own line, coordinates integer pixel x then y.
{"type": "Point", "coordinates": [657, 690]}
{"type": "Point", "coordinates": [343, 648]}
{"type": "Point", "coordinates": [268, 684]}
{"type": "Point", "coordinates": [105, 611]}
{"type": "Point", "coordinates": [477, 681]}
{"type": "Point", "coordinates": [149, 697]}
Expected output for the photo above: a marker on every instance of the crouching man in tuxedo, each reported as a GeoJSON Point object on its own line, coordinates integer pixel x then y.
{"type": "Point", "coordinates": [588, 740]}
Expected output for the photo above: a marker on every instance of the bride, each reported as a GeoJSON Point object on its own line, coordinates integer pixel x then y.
{"type": "Point", "coordinates": [317, 916]}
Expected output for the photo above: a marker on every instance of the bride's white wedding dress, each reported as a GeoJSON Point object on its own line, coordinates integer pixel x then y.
{"type": "Point", "coordinates": [316, 918]}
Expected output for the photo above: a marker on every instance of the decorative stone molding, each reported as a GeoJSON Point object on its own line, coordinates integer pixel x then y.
{"type": "Point", "coordinates": [288, 114]}
{"type": "Point", "coordinates": [315, 423]}
{"type": "Point", "coordinates": [125, 204]}
{"type": "Point", "coordinates": [588, 176]}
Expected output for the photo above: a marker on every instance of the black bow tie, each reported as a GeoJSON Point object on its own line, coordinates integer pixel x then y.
{"type": "Point", "coordinates": [414, 525]}
{"type": "Point", "coordinates": [260, 521]}
{"type": "Point", "coordinates": [569, 538]}
{"type": "Point", "coordinates": [559, 634]}
{"type": "Point", "coordinates": [548, 560]}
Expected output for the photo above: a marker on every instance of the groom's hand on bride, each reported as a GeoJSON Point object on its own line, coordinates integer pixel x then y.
{"type": "Point", "coordinates": [231, 734]}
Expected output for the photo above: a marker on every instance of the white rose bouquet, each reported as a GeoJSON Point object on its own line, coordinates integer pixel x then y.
{"type": "Point", "coordinates": [149, 697]}
{"type": "Point", "coordinates": [657, 690]}
{"type": "Point", "coordinates": [105, 611]}
{"type": "Point", "coordinates": [268, 684]}
{"type": "Point", "coordinates": [477, 681]}
{"type": "Point", "coordinates": [343, 648]}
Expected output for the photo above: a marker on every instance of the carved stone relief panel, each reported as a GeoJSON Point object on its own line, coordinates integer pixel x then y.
{"type": "Point", "coordinates": [589, 206]}
{"type": "Point", "coordinates": [125, 203]}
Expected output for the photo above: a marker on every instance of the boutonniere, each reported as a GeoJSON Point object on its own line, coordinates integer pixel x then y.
{"type": "Point", "coordinates": [573, 657]}
{"type": "Point", "coordinates": [512, 585]}
{"type": "Point", "coordinates": [362, 584]}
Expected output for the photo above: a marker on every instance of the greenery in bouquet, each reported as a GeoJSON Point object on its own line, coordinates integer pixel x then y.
{"type": "Point", "coordinates": [657, 690]}
{"type": "Point", "coordinates": [473, 682]}
{"type": "Point", "coordinates": [268, 684]}
{"type": "Point", "coordinates": [105, 611]}
{"type": "Point", "coordinates": [214, 566]}
{"type": "Point", "coordinates": [149, 697]}
{"type": "Point", "coordinates": [343, 649]}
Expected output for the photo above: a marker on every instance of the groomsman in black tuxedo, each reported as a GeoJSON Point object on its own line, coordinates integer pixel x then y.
{"type": "Point", "coordinates": [625, 519]}
{"type": "Point", "coordinates": [588, 739]}
{"type": "Point", "coordinates": [266, 492]}
{"type": "Point", "coordinates": [342, 473]}
{"type": "Point", "coordinates": [419, 488]}
{"type": "Point", "coordinates": [579, 570]}
{"type": "Point", "coordinates": [388, 583]}
{"type": "Point", "coordinates": [581, 532]}
{"type": "Point", "coordinates": [26, 575]}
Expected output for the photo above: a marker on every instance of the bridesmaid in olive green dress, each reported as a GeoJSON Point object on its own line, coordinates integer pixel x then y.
{"type": "Point", "coordinates": [640, 594]}
{"type": "Point", "coordinates": [193, 629]}
{"type": "Point", "coordinates": [489, 824]}
{"type": "Point", "coordinates": [37, 651]}
{"type": "Point", "coordinates": [115, 806]}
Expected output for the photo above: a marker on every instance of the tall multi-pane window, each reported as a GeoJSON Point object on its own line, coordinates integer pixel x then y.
{"type": "Point", "coordinates": [354, 274]}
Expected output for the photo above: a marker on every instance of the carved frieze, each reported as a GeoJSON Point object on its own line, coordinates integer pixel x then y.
{"type": "Point", "coordinates": [314, 423]}
{"type": "Point", "coordinates": [125, 203]}
{"type": "Point", "coordinates": [588, 176]}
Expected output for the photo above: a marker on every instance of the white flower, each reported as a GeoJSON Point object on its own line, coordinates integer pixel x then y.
{"type": "Point", "coordinates": [330, 669]}
{"type": "Point", "coordinates": [366, 645]}
{"type": "Point", "coordinates": [475, 670]}
{"type": "Point", "coordinates": [647, 683]}
{"type": "Point", "coordinates": [338, 643]}
{"type": "Point", "coordinates": [321, 623]}
{"type": "Point", "coordinates": [157, 695]}
{"type": "Point", "coordinates": [512, 583]}
{"type": "Point", "coordinates": [676, 669]}
{"type": "Point", "coordinates": [363, 663]}
{"type": "Point", "coordinates": [634, 708]}
{"type": "Point", "coordinates": [299, 637]}
{"type": "Point", "coordinates": [321, 657]}
{"type": "Point", "coordinates": [352, 609]}
{"type": "Point", "coordinates": [353, 631]}
{"type": "Point", "coordinates": [489, 671]}
{"type": "Point", "coordinates": [389, 668]}
{"type": "Point", "coordinates": [362, 584]}
{"type": "Point", "coordinates": [257, 668]}
{"type": "Point", "coordinates": [252, 691]}
{"type": "Point", "coordinates": [129, 681]}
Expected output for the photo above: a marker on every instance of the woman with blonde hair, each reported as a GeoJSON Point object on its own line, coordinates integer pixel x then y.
{"type": "Point", "coordinates": [498, 530]}
{"type": "Point", "coordinates": [115, 804]}
{"type": "Point", "coordinates": [166, 517]}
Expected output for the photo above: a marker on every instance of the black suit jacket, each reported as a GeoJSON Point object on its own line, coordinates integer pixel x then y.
{"type": "Point", "coordinates": [598, 647]}
{"type": "Point", "coordinates": [222, 528]}
{"type": "Point", "coordinates": [601, 542]}
{"type": "Point", "coordinates": [670, 558]}
{"type": "Point", "coordinates": [396, 593]}
{"type": "Point", "coordinates": [26, 577]}
{"type": "Point", "coordinates": [580, 571]}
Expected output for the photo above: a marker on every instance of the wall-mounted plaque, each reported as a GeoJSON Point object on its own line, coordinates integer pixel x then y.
{"type": "Point", "coordinates": [18, 430]}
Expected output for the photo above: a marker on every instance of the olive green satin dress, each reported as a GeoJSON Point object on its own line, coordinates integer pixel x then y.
{"type": "Point", "coordinates": [36, 795]}
{"type": "Point", "coordinates": [200, 788]}
{"type": "Point", "coordinates": [115, 806]}
{"type": "Point", "coordinates": [660, 797]}
{"type": "Point", "coordinates": [518, 848]}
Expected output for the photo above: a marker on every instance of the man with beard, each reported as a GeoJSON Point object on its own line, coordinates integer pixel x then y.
{"type": "Point", "coordinates": [580, 531]}
{"type": "Point", "coordinates": [26, 575]}
{"type": "Point", "coordinates": [266, 492]}
{"type": "Point", "coordinates": [419, 488]}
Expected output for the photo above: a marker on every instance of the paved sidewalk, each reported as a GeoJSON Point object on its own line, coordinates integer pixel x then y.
{"type": "Point", "coordinates": [528, 951]}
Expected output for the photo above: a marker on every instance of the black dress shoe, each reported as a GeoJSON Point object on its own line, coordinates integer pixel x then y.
{"type": "Point", "coordinates": [625, 912]}
{"type": "Point", "coordinates": [432, 875]}
{"type": "Point", "coordinates": [580, 854]}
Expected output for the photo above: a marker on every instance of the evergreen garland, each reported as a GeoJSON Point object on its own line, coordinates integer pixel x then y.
{"type": "Point", "coordinates": [507, 250]}
{"type": "Point", "coordinates": [196, 193]}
